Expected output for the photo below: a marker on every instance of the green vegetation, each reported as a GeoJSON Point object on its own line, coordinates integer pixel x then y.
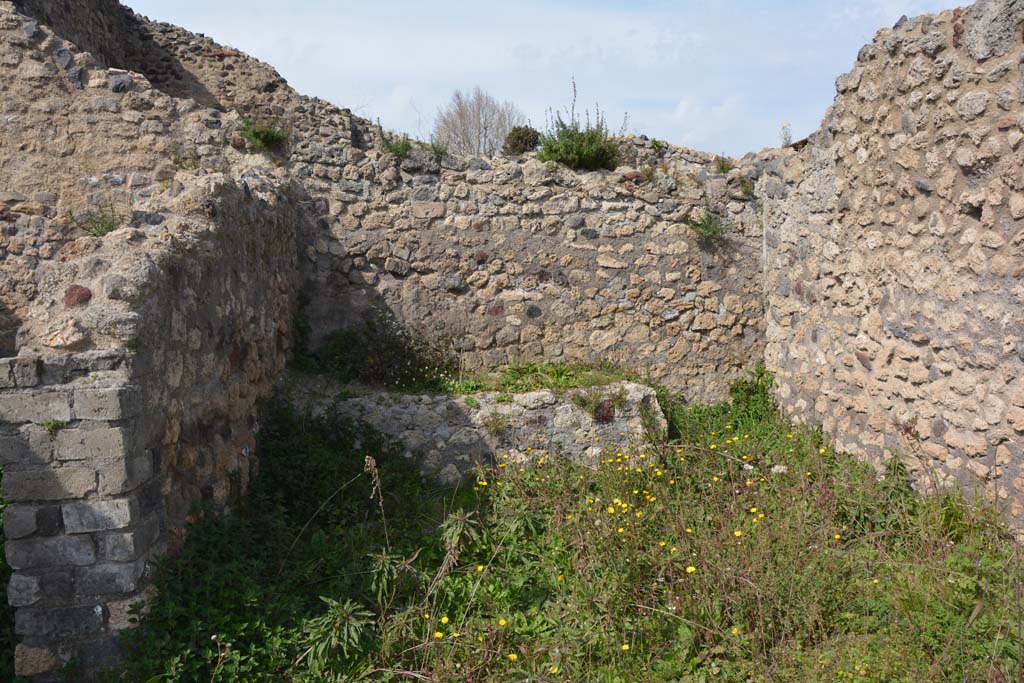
{"type": "Point", "coordinates": [438, 149]}
{"type": "Point", "coordinates": [723, 164]}
{"type": "Point", "coordinates": [96, 222]}
{"type": "Point", "coordinates": [52, 427]}
{"type": "Point", "coordinates": [745, 550]}
{"type": "Point", "coordinates": [747, 188]}
{"type": "Point", "coordinates": [522, 377]}
{"type": "Point", "coordinates": [263, 135]}
{"type": "Point", "coordinates": [495, 423]}
{"type": "Point", "coordinates": [397, 146]}
{"type": "Point", "coordinates": [658, 145]}
{"type": "Point", "coordinates": [708, 226]}
{"type": "Point", "coordinates": [579, 143]}
{"type": "Point", "coordinates": [520, 140]}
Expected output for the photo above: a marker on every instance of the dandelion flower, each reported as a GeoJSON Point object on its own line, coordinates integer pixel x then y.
{"type": "Point", "coordinates": [438, 634]}
{"type": "Point", "coordinates": [501, 622]}
{"type": "Point", "coordinates": [444, 620]}
{"type": "Point", "coordinates": [479, 567]}
{"type": "Point", "coordinates": [553, 670]}
{"type": "Point", "coordinates": [426, 616]}
{"type": "Point", "coordinates": [512, 656]}
{"type": "Point", "coordinates": [625, 647]}
{"type": "Point", "coordinates": [691, 569]}
{"type": "Point", "coordinates": [662, 544]}
{"type": "Point", "coordinates": [838, 537]}
{"type": "Point", "coordinates": [737, 533]}
{"type": "Point", "coordinates": [689, 530]}
{"type": "Point", "coordinates": [620, 530]}
{"type": "Point", "coordinates": [735, 630]}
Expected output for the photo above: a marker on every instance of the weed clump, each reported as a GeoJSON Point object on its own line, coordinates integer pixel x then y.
{"type": "Point", "coordinates": [579, 143]}
{"type": "Point", "coordinates": [263, 135]}
{"type": "Point", "coordinates": [520, 140]}
{"type": "Point", "coordinates": [708, 226]}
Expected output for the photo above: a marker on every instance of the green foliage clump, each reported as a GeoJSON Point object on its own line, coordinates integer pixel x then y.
{"type": "Point", "coordinates": [399, 146]}
{"type": "Point", "coordinates": [263, 135]}
{"type": "Point", "coordinates": [579, 143]}
{"type": "Point", "coordinates": [52, 427]}
{"type": "Point", "coordinates": [708, 226]}
{"type": "Point", "coordinates": [520, 140]}
{"type": "Point", "coordinates": [723, 164]}
{"type": "Point", "coordinates": [744, 549]}
{"type": "Point", "coordinates": [658, 145]}
{"type": "Point", "coordinates": [522, 377]}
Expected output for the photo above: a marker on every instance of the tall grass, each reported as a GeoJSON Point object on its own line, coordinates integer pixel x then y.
{"type": "Point", "coordinates": [743, 550]}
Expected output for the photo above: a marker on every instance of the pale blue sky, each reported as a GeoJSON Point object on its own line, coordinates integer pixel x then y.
{"type": "Point", "coordinates": [715, 75]}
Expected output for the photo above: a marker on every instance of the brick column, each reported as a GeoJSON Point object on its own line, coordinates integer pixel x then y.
{"type": "Point", "coordinates": [82, 522]}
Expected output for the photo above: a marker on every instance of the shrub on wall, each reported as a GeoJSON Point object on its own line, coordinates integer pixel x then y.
{"type": "Point", "coordinates": [521, 139]}
{"type": "Point", "coordinates": [580, 144]}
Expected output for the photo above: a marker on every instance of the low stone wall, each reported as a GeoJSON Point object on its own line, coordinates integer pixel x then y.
{"type": "Point", "coordinates": [449, 436]}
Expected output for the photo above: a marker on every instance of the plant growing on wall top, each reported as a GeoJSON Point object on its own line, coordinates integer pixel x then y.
{"type": "Point", "coordinates": [579, 143]}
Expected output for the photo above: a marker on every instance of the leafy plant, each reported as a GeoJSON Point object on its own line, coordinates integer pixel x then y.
{"type": "Point", "coordinates": [708, 226]}
{"type": "Point", "coordinates": [263, 134]}
{"type": "Point", "coordinates": [52, 427]}
{"type": "Point", "coordinates": [438, 149]}
{"type": "Point", "coordinates": [579, 143]}
{"type": "Point", "coordinates": [394, 145]}
{"type": "Point", "coordinates": [520, 140]}
{"type": "Point", "coordinates": [494, 423]}
{"type": "Point", "coordinates": [747, 188]}
{"type": "Point", "coordinates": [659, 145]}
{"type": "Point", "coordinates": [723, 164]}
{"type": "Point", "coordinates": [97, 222]}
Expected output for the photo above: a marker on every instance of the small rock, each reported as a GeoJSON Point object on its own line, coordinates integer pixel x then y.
{"type": "Point", "coordinates": [77, 295]}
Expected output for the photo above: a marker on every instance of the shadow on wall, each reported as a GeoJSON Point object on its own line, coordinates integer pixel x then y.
{"type": "Point", "coordinates": [116, 37]}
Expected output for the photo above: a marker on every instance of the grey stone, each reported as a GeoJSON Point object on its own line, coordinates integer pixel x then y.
{"type": "Point", "coordinates": [93, 445]}
{"type": "Point", "coordinates": [19, 521]}
{"type": "Point", "coordinates": [63, 622]}
{"type": "Point", "coordinates": [98, 515]}
{"type": "Point", "coordinates": [35, 406]}
{"type": "Point", "coordinates": [48, 484]}
{"type": "Point", "coordinates": [51, 552]}
{"type": "Point", "coordinates": [23, 590]}
{"type": "Point", "coordinates": [107, 404]}
{"type": "Point", "coordinates": [108, 578]}
{"type": "Point", "coordinates": [121, 83]}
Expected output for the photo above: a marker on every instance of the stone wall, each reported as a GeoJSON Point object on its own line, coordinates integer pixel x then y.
{"type": "Point", "coordinates": [876, 267]}
{"type": "Point", "coordinates": [141, 352]}
{"type": "Point", "coordinates": [450, 436]}
{"type": "Point", "coordinates": [896, 312]}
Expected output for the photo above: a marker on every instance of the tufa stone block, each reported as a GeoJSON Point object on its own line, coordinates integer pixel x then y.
{"type": "Point", "coordinates": [107, 404]}
{"type": "Point", "coordinates": [34, 406]}
{"type": "Point", "coordinates": [98, 515]}
{"type": "Point", "coordinates": [91, 444]}
{"type": "Point", "coordinates": [50, 484]}
{"type": "Point", "coordinates": [56, 551]}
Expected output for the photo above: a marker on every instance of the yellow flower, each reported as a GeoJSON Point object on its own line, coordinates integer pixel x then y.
{"type": "Point", "coordinates": [735, 630]}
{"type": "Point", "coordinates": [620, 530]}
{"type": "Point", "coordinates": [512, 656]}
{"type": "Point", "coordinates": [481, 483]}
{"type": "Point", "coordinates": [438, 634]}
{"type": "Point", "coordinates": [712, 446]}
{"type": "Point", "coordinates": [611, 509]}
{"type": "Point", "coordinates": [662, 544]}
{"type": "Point", "coordinates": [479, 567]}
{"type": "Point", "coordinates": [838, 537]}
{"type": "Point", "coordinates": [737, 533]}
{"type": "Point", "coordinates": [874, 580]}
{"type": "Point", "coordinates": [501, 622]}
{"type": "Point", "coordinates": [691, 569]}
{"type": "Point", "coordinates": [753, 509]}
{"type": "Point", "coordinates": [553, 670]}
{"type": "Point", "coordinates": [821, 451]}
{"type": "Point", "coordinates": [714, 478]}
{"type": "Point", "coordinates": [559, 577]}
{"type": "Point", "coordinates": [426, 616]}
{"type": "Point", "coordinates": [625, 647]}
{"type": "Point", "coordinates": [673, 549]}
{"type": "Point", "coordinates": [456, 634]}
{"type": "Point", "coordinates": [689, 530]}
{"type": "Point", "coordinates": [444, 620]}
